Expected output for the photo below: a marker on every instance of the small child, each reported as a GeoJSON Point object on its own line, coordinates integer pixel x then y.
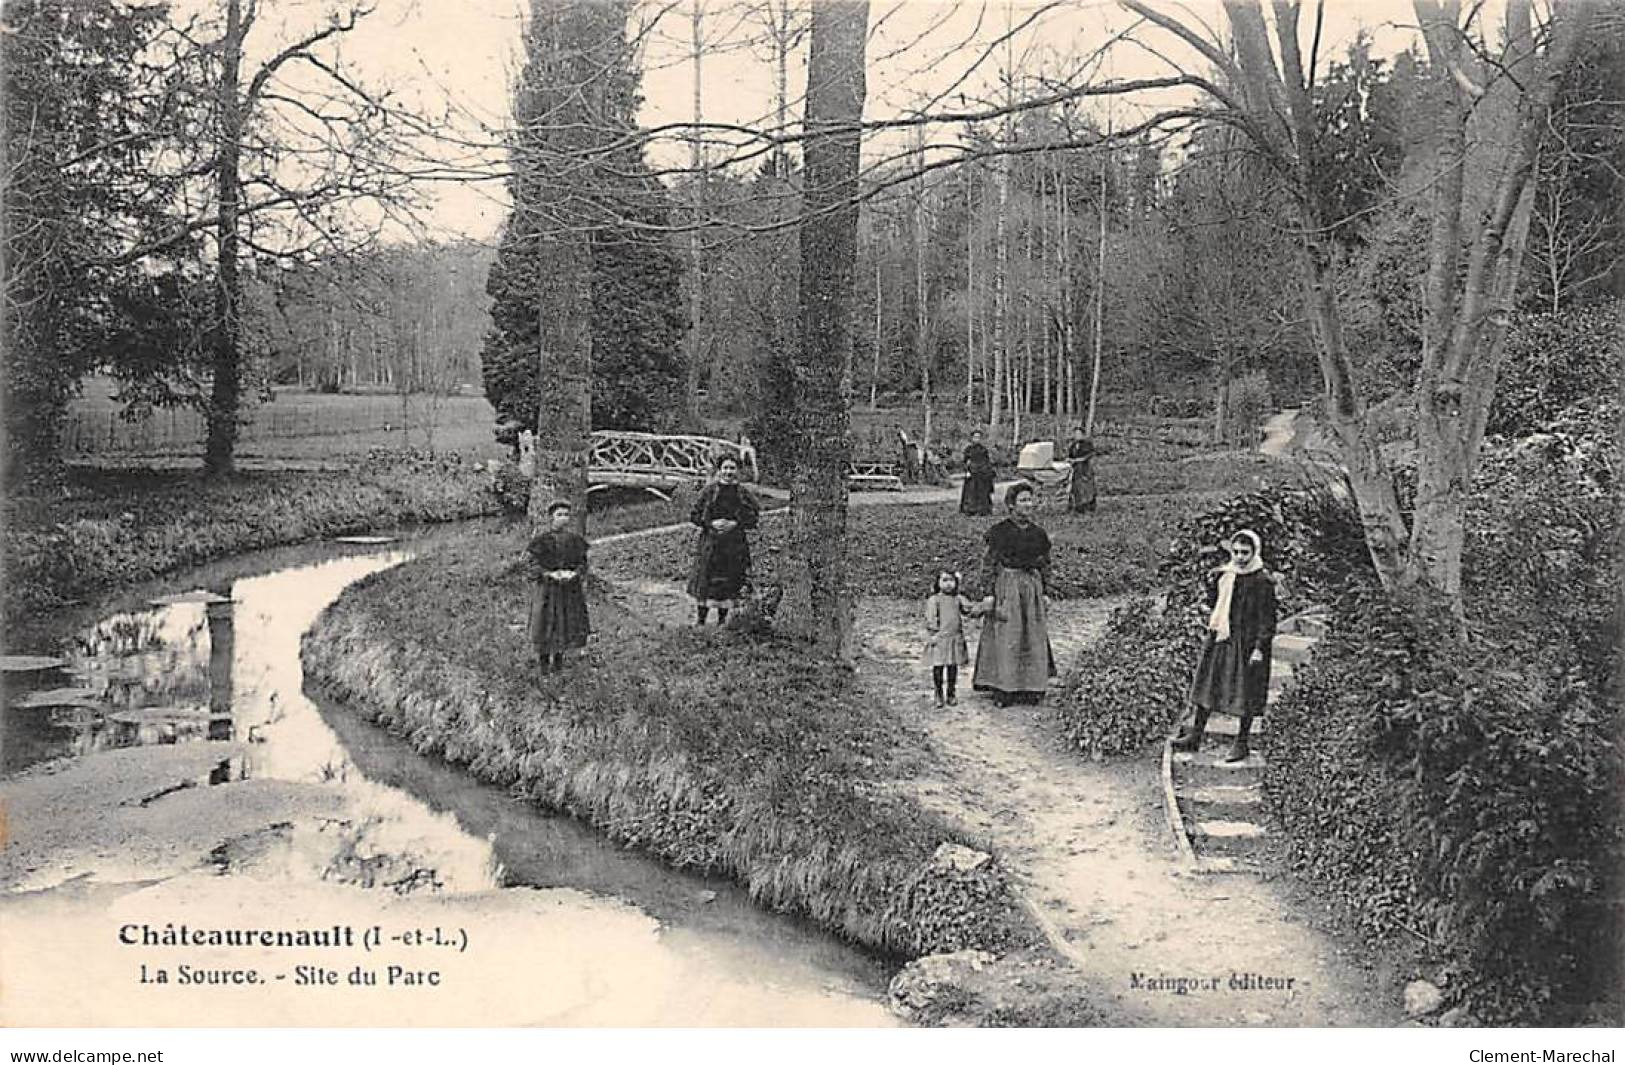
{"type": "Point", "coordinates": [945, 612]}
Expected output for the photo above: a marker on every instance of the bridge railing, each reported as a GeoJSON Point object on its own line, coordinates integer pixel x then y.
{"type": "Point", "coordinates": [665, 455]}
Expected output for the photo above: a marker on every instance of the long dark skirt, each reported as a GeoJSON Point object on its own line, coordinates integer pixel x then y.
{"type": "Point", "coordinates": [1014, 654]}
{"type": "Point", "coordinates": [1226, 683]}
{"type": "Point", "coordinates": [721, 566]}
{"type": "Point", "coordinates": [1083, 486]}
{"type": "Point", "coordinates": [976, 496]}
{"type": "Point", "coordinates": [558, 617]}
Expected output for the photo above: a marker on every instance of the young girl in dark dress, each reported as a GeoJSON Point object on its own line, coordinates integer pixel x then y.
{"type": "Point", "coordinates": [724, 511]}
{"type": "Point", "coordinates": [1013, 657]}
{"type": "Point", "coordinates": [1233, 675]}
{"type": "Point", "coordinates": [558, 611]}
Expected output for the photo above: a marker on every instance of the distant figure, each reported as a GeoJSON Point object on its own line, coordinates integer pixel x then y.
{"type": "Point", "coordinates": [558, 611]}
{"type": "Point", "coordinates": [1081, 453]}
{"type": "Point", "coordinates": [945, 648]}
{"type": "Point", "coordinates": [976, 497]}
{"type": "Point", "coordinates": [1233, 675]}
{"type": "Point", "coordinates": [1013, 659]}
{"type": "Point", "coordinates": [724, 511]}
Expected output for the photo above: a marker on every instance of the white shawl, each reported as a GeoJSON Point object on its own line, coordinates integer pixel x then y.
{"type": "Point", "coordinates": [1219, 620]}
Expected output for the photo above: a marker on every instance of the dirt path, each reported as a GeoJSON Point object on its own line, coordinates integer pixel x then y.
{"type": "Point", "coordinates": [1090, 843]}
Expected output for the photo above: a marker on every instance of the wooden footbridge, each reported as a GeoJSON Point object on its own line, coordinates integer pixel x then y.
{"type": "Point", "coordinates": [660, 462]}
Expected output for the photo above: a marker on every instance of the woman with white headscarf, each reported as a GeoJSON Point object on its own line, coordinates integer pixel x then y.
{"type": "Point", "coordinates": [1234, 674]}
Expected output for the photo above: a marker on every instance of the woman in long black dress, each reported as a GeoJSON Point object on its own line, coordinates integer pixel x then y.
{"type": "Point", "coordinates": [1233, 675]}
{"type": "Point", "coordinates": [1081, 454]}
{"type": "Point", "coordinates": [976, 497]}
{"type": "Point", "coordinates": [558, 610]}
{"type": "Point", "coordinates": [1013, 658]}
{"type": "Point", "coordinates": [724, 511]}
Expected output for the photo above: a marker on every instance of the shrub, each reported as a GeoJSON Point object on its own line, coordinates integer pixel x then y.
{"type": "Point", "coordinates": [1246, 402]}
{"type": "Point", "coordinates": [1132, 684]}
{"type": "Point", "coordinates": [1554, 362]}
{"type": "Point", "coordinates": [1430, 782]}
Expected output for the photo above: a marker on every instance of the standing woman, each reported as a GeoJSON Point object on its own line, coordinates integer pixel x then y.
{"type": "Point", "coordinates": [976, 497]}
{"type": "Point", "coordinates": [558, 610]}
{"type": "Point", "coordinates": [1233, 676]}
{"type": "Point", "coordinates": [723, 512]}
{"type": "Point", "coordinates": [1081, 453]}
{"type": "Point", "coordinates": [1013, 657]}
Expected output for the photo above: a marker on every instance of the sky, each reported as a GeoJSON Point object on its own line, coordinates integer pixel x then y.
{"type": "Point", "coordinates": [458, 57]}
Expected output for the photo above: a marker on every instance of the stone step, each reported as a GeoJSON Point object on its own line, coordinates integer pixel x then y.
{"type": "Point", "coordinates": [1216, 829]}
{"type": "Point", "coordinates": [1313, 624]}
{"type": "Point", "coordinates": [1218, 864]}
{"type": "Point", "coordinates": [1212, 760]}
{"type": "Point", "coordinates": [1292, 648]}
{"type": "Point", "coordinates": [30, 663]}
{"type": "Point", "coordinates": [1226, 795]}
{"type": "Point", "coordinates": [58, 697]}
{"type": "Point", "coordinates": [1226, 726]}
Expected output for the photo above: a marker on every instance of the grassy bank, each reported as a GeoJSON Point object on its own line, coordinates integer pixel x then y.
{"type": "Point", "coordinates": [713, 750]}
{"type": "Point", "coordinates": [112, 528]}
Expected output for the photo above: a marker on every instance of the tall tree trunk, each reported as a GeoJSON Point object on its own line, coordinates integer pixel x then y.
{"type": "Point", "coordinates": [1100, 307]}
{"type": "Point", "coordinates": [874, 376]}
{"type": "Point", "coordinates": [564, 362]}
{"type": "Point", "coordinates": [922, 352]}
{"type": "Point", "coordinates": [816, 606]}
{"type": "Point", "coordinates": [999, 382]}
{"type": "Point", "coordinates": [573, 36]}
{"type": "Point", "coordinates": [219, 454]}
{"type": "Point", "coordinates": [970, 298]}
{"type": "Point", "coordinates": [701, 179]}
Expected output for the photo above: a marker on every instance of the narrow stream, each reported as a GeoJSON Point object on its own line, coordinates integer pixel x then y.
{"type": "Point", "coordinates": [213, 656]}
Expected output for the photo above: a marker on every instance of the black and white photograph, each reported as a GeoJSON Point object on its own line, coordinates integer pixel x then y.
{"type": "Point", "coordinates": [814, 514]}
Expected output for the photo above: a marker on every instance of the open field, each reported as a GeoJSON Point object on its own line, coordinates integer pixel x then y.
{"type": "Point", "coordinates": [294, 425]}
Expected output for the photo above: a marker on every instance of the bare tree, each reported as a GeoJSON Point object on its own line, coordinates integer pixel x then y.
{"type": "Point", "coordinates": [1489, 106]}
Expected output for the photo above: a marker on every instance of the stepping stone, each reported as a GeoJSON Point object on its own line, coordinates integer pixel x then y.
{"type": "Point", "coordinates": [370, 541]}
{"type": "Point", "coordinates": [1227, 795]}
{"type": "Point", "coordinates": [1229, 726]}
{"type": "Point", "coordinates": [1291, 648]}
{"type": "Point", "coordinates": [1224, 863]}
{"type": "Point", "coordinates": [1228, 830]}
{"type": "Point", "coordinates": [195, 596]}
{"type": "Point", "coordinates": [88, 697]}
{"type": "Point", "coordinates": [30, 663]}
{"type": "Point", "coordinates": [162, 715]}
{"type": "Point", "coordinates": [1253, 762]}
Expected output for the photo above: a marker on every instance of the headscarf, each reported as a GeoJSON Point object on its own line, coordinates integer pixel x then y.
{"type": "Point", "coordinates": [1219, 620]}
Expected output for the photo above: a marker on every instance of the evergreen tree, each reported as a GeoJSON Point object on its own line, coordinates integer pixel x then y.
{"type": "Point", "coordinates": [79, 115]}
{"type": "Point", "coordinates": [638, 318]}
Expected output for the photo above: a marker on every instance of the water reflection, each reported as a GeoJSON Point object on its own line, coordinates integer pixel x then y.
{"type": "Point", "coordinates": [161, 675]}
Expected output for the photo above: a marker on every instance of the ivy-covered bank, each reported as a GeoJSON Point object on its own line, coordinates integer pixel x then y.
{"type": "Point", "coordinates": [720, 751]}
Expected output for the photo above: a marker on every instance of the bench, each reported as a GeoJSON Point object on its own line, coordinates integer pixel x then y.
{"type": "Point", "coordinates": [874, 475]}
